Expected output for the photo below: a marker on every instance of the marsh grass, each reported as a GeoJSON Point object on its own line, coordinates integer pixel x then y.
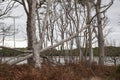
{"type": "Point", "coordinates": [71, 71]}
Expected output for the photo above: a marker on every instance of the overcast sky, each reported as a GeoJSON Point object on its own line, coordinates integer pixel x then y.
{"type": "Point", "coordinates": [114, 17]}
{"type": "Point", "coordinates": [113, 14]}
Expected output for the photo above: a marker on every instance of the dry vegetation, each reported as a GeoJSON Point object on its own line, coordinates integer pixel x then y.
{"type": "Point", "coordinates": [59, 72]}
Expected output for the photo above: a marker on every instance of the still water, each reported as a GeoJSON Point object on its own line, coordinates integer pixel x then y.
{"type": "Point", "coordinates": [108, 60]}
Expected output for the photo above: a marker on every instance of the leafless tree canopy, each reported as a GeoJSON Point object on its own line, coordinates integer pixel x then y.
{"type": "Point", "coordinates": [64, 24]}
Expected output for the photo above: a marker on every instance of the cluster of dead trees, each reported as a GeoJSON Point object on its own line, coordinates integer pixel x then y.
{"type": "Point", "coordinates": [64, 24]}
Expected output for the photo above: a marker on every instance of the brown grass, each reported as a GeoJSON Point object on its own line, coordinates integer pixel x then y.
{"type": "Point", "coordinates": [72, 71]}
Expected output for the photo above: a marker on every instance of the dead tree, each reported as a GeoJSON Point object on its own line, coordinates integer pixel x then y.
{"type": "Point", "coordinates": [50, 47]}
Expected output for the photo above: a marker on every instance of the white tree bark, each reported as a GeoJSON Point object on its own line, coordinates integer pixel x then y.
{"type": "Point", "coordinates": [100, 34]}
{"type": "Point", "coordinates": [33, 32]}
{"type": "Point", "coordinates": [89, 32]}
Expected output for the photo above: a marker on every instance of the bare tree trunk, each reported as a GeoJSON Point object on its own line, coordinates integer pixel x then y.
{"type": "Point", "coordinates": [29, 38]}
{"type": "Point", "coordinates": [39, 27]}
{"type": "Point", "coordinates": [86, 45]}
{"type": "Point", "coordinates": [77, 30]}
{"type": "Point", "coordinates": [79, 48]}
{"type": "Point", "coordinates": [89, 32]}
{"type": "Point", "coordinates": [32, 32]}
{"type": "Point", "coordinates": [29, 30]}
{"type": "Point", "coordinates": [100, 34]}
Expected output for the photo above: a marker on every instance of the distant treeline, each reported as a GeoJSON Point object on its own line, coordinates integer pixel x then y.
{"type": "Point", "coordinates": [109, 51]}
{"type": "Point", "coordinates": [9, 53]}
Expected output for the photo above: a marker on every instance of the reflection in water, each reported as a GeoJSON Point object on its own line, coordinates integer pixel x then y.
{"type": "Point", "coordinates": [108, 60]}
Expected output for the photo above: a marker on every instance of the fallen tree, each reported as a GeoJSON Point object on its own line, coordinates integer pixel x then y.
{"type": "Point", "coordinates": [47, 48]}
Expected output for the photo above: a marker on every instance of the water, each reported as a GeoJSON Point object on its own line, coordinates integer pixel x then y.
{"type": "Point", "coordinates": [11, 59]}
{"type": "Point", "coordinates": [108, 60]}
